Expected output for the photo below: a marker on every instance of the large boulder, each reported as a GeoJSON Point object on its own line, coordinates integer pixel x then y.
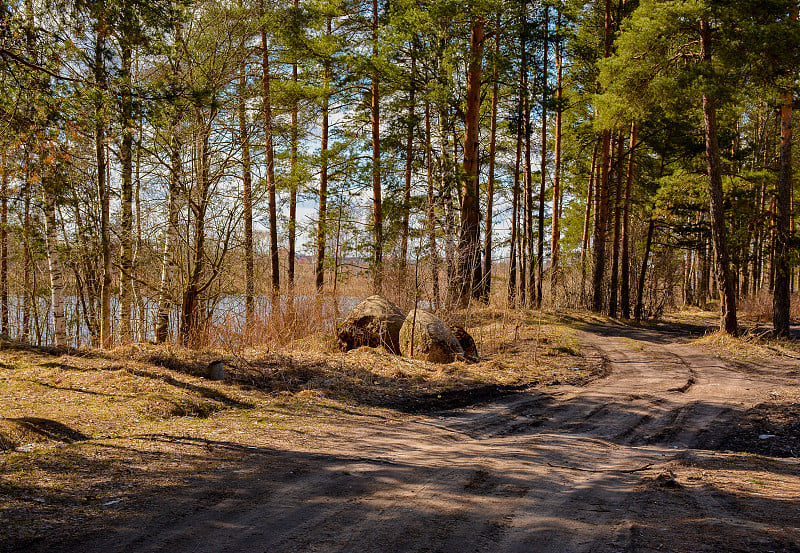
{"type": "Point", "coordinates": [374, 322]}
{"type": "Point", "coordinates": [466, 341]}
{"type": "Point", "coordinates": [432, 340]}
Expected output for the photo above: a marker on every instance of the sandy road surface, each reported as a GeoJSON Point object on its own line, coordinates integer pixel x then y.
{"type": "Point", "coordinates": [631, 462]}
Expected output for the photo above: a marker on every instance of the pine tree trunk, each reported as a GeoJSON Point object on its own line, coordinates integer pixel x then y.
{"type": "Point", "coordinates": [269, 158]}
{"type": "Point", "coordinates": [783, 230]}
{"type": "Point", "coordinates": [434, 254]}
{"type": "Point", "coordinates": [323, 174]}
{"type": "Point", "coordinates": [543, 168]}
{"type": "Point", "coordinates": [377, 204]}
{"type": "Point", "coordinates": [526, 290]}
{"type": "Point", "coordinates": [247, 206]}
{"type": "Point", "coordinates": [556, 228]}
{"type": "Point", "coordinates": [293, 181]}
{"type": "Point", "coordinates": [638, 310]}
{"type": "Point", "coordinates": [469, 272]}
{"type": "Point", "coordinates": [515, 195]}
{"type": "Point", "coordinates": [486, 287]}
{"type": "Point", "coordinates": [601, 226]}
{"type": "Point", "coordinates": [614, 287]}
{"type": "Point", "coordinates": [587, 218]}
{"type": "Point", "coordinates": [103, 193]}
{"type": "Point", "coordinates": [625, 292]}
{"type": "Point", "coordinates": [4, 248]}
{"type": "Point", "coordinates": [716, 200]}
{"type": "Point", "coordinates": [408, 172]}
{"type": "Point", "coordinates": [126, 200]}
{"type": "Point", "coordinates": [601, 212]}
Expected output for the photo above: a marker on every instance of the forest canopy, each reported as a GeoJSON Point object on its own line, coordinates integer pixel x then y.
{"type": "Point", "coordinates": [188, 171]}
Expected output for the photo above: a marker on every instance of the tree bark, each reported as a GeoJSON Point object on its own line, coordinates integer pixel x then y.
{"type": "Point", "coordinates": [601, 226]}
{"type": "Point", "coordinates": [191, 319]}
{"type": "Point", "coordinates": [168, 263]}
{"type": "Point", "coordinates": [469, 254]}
{"type": "Point", "coordinates": [556, 227]}
{"type": "Point", "coordinates": [323, 174]}
{"type": "Point", "coordinates": [526, 288]}
{"type": "Point", "coordinates": [625, 292]}
{"type": "Point", "coordinates": [54, 265]}
{"type": "Point", "coordinates": [103, 191]}
{"type": "Point", "coordinates": [247, 206]}
{"type": "Point", "coordinates": [543, 168]}
{"type": "Point", "coordinates": [614, 287]}
{"type": "Point", "coordinates": [269, 160]}
{"type": "Point", "coordinates": [434, 254]}
{"type": "Point", "coordinates": [486, 287]}
{"type": "Point", "coordinates": [512, 264]}
{"type": "Point", "coordinates": [783, 229]}
{"type": "Point", "coordinates": [4, 248]}
{"type": "Point", "coordinates": [408, 172]}
{"type": "Point", "coordinates": [590, 193]}
{"type": "Point", "coordinates": [293, 181]}
{"type": "Point", "coordinates": [728, 321]}
{"type": "Point", "coordinates": [126, 199]}
{"type": "Point", "coordinates": [638, 310]}
{"type": "Point", "coordinates": [601, 213]}
{"type": "Point", "coordinates": [377, 203]}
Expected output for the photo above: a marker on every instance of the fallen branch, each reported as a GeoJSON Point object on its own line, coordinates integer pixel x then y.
{"type": "Point", "coordinates": [644, 467]}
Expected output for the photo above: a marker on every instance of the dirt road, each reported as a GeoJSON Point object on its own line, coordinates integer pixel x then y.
{"type": "Point", "coordinates": [635, 461]}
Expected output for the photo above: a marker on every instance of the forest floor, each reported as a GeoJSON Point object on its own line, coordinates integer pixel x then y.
{"type": "Point", "coordinates": [574, 433]}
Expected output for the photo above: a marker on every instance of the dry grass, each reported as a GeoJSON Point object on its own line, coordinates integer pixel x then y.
{"type": "Point", "coordinates": [758, 307]}
{"type": "Point", "coordinates": [755, 344]}
{"type": "Point", "coordinates": [88, 429]}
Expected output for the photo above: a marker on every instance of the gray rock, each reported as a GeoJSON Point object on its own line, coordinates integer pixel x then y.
{"type": "Point", "coordinates": [216, 370]}
{"type": "Point", "coordinates": [432, 340]}
{"type": "Point", "coordinates": [374, 322]}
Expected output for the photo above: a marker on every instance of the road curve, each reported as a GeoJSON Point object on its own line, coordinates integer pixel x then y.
{"type": "Point", "coordinates": [628, 463]}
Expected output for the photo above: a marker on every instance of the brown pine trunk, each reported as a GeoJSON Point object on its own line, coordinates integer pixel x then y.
{"type": "Point", "coordinates": [614, 287]}
{"type": "Point", "coordinates": [4, 248]}
{"type": "Point", "coordinates": [377, 204]}
{"type": "Point", "coordinates": [543, 168]}
{"type": "Point", "coordinates": [126, 200]}
{"type": "Point", "coordinates": [625, 292]}
{"type": "Point", "coordinates": [323, 174]}
{"type": "Point", "coordinates": [638, 310]}
{"type": "Point", "coordinates": [27, 269]}
{"type": "Point", "coordinates": [601, 213]}
{"type": "Point", "coordinates": [783, 229]}
{"type": "Point", "coordinates": [469, 254]}
{"type": "Point", "coordinates": [294, 139]}
{"type": "Point", "coordinates": [556, 227]}
{"type": "Point", "coordinates": [434, 255]}
{"type": "Point", "coordinates": [408, 173]}
{"type": "Point", "coordinates": [587, 217]}
{"type": "Point", "coordinates": [601, 226]}
{"type": "Point", "coordinates": [728, 321]}
{"type": "Point", "coordinates": [247, 206]}
{"type": "Point", "coordinates": [103, 195]}
{"type": "Point", "coordinates": [486, 288]}
{"type": "Point", "coordinates": [270, 162]}
{"type": "Point", "coordinates": [512, 267]}
{"type": "Point", "coordinates": [526, 290]}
